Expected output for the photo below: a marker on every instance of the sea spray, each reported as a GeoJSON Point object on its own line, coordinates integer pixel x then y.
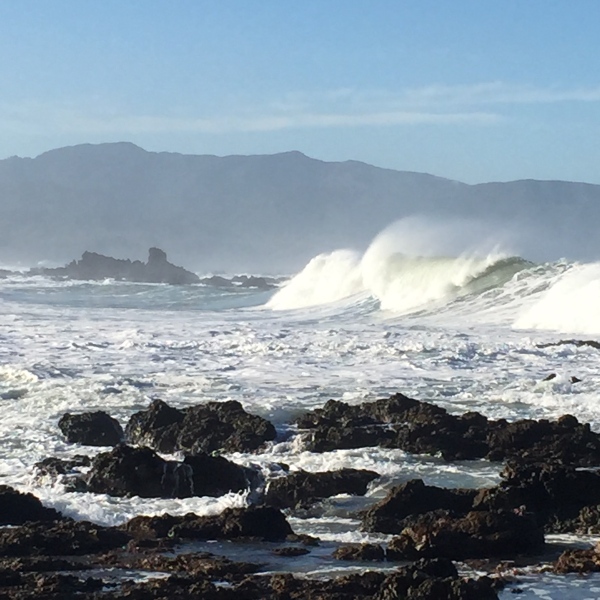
{"type": "Point", "coordinates": [411, 263]}
{"type": "Point", "coordinates": [569, 305]}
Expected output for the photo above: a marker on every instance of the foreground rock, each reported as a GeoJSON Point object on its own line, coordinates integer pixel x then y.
{"type": "Point", "coordinates": [564, 498]}
{"type": "Point", "coordinates": [128, 471]}
{"type": "Point", "coordinates": [414, 498]}
{"type": "Point", "coordinates": [424, 428]}
{"type": "Point", "coordinates": [487, 534]}
{"type": "Point", "coordinates": [91, 429]}
{"type": "Point", "coordinates": [210, 427]}
{"type": "Point", "coordinates": [425, 580]}
{"type": "Point", "coordinates": [60, 538]}
{"type": "Point", "coordinates": [578, 561]}
{"type": "Point", "coordinates": [93, 266]}
{"type": "Point", "coordinates": [258, 523]}
{"type": "Point", "coordinates": [17, 508]}
{"type": "Point", "coordinates": [301, 489]}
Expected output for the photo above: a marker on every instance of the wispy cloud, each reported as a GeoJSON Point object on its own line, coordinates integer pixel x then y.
{"type": "Point", "coordinates": [475, 104]}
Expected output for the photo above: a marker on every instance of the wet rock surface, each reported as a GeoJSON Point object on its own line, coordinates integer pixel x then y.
{"type": "Point", "coordinates": [260, 523]}
{"type": "Point", "coordinates": [424, 428]}
{"type": "Point", "coordinates": [60, 538]}
{"type": "Point", "coordinates": [500, 533]}
{"type": "Point", "coordinates": [210, 427]}
{"type": "Point", "coordinates": [302, 489]}
{"type": "Point", "coordinates": [414, 498]}
{"type": "Point", "coordinates": [91, 429]}
{"type": "Point", "coordinates": [129, 471]}
{"type": "Point", "coordinates": [17, 508]}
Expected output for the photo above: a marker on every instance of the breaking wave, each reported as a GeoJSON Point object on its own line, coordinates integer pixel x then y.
{"type": "Point", "coordinates": [408, 266]}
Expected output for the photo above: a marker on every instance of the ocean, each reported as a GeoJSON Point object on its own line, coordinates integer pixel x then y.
{"type": "Point", "coordinates": [467, 331]}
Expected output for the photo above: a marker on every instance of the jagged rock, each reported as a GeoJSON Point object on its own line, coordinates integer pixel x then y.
{"type": "Point", "coordinates": [128, 471]}
{"type": "Point", "coordinates": [414, 498]}
{"type": "Point", "coordinates": [578, 561]}
{"type": "Point", "coordinates": [17, 508]}
{"type": "Point", "coordinates": [91, 429]}
{"type": "Point", "coordinates": [366, 552]}
{"type": "Point", "coordinates": [302, 489]}
{"type": "Point", "coordinates": [61, 538]}
{"type": "Point", "coordinates": [423, 428]}
{"type": "Point", "coordinates": [479, 534]}
{"type": "Point", "coordinates": [291, 551]}
{"type": "Point", "coordinates": [214, 426]}
{"type": "Point", "coordinates": [93, 266]}
{"type": "Point", "coordinates": [564, 498]}
{"type": "Point", "coordinates": [264, 523]}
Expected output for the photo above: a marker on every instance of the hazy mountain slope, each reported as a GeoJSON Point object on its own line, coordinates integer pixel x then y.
{"type": "Point", "coordinates": [251, 212]}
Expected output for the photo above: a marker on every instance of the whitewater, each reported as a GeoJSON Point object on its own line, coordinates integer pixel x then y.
{"type": "Point", "coordinates": [447, 314]}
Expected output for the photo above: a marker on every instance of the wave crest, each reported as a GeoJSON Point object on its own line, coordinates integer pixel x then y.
{"type": "Point", "coordinates": [401, 279]}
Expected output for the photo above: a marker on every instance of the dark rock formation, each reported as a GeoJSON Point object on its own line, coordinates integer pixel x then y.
{"type": "Point", "coordinates": [424, 428]}
{"type": "Point", "coordinates": [17, 508]}
{"type": "Point", "coordinates": [301, 489]}
{"type": "Point", "coordinates": [440, 534]}
{"type": "Point", "coordinates": [564, 499]}
{"type": "Point", "coordinates": [66, 472]}
{"type": "Point", "coordinates": [91, 429]}
{"type": "Point", "coordinates": [414, 498]}
{"type": "Point", "coordinates": [591, 343]}
{"type": "Point", "coordinates": [367, 552]}
{"type": "Point", "coordinates": [578, 561]}
{"type": "Point", "coordinates": [127, 471]}
{"type": "Point", "coordinates": [61, 538]}
{"type": "Point", "coordinates": [214, 426]}
{"type": "Point", "coordinates": [93, 266]}
{"type": "Point", "coordinates": [260, 523]}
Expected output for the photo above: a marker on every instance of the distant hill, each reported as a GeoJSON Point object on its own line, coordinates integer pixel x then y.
{"type": "Point", "coordinates": [256, 213]}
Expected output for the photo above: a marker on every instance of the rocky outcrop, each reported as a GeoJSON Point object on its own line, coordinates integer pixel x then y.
{"type": "Point", "coordinates": [128, 471]}
{"type": "Point", "coordinates": [91, 429]}
{"type": "Point", "coordinates": [93, 266]}
{"type": "Point", "coordinates": [210, 427]}
{"type": "Point", "coordinates": [17, 508]}
{"type": "Point", "coordinates": [564, 499]}
{"type": "Point", "coordinates": [414, 498]}
{"type": "Point", "coordinates": [301, 489]}
{"type": "Point", "coordinates": [61, 538]}
{"type": "Point", "coordinates": [578, 561]}
{"type": "Point", "coordinates": [424, 428]}
{"type": "Point", "coordinates": [360, 552]}
{"type": "Point", "coordinates": [440, 534]}
{"type": "Point", "coordinates": [260, 523]}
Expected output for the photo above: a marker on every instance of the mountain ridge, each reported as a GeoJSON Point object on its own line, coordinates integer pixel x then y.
{"type": "Point", "coordinates": [269, 212]}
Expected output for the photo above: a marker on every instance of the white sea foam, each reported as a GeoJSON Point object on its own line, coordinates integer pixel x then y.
{"type": "Point", "coordinates": [570, 305]}
{"type": "Point", "coordinates": [409, 265]}
{"type": "Point", "coordinates": [77, 347]}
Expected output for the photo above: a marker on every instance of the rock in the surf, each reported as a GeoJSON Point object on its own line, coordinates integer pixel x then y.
{"type": "Point", "coordinates": [129, 471]}
{"type": "Point", "coordinates": [91, 429]}
{"type": "Point", "coordinates": [424, 428]}
{"type": "Point", "coordinates": [94, 266]}
{"type": "Point", "coordinates": [264, 523]}
{"type": "Point", "coordinates": [414, 498]}
{"type": "Point", "coordinates": [440, 534]}
{"type": "Point", "coordinates": [301, 488]}
{"type": "Point", "coordinates": [61, 538]}
{"type": "Point", "coordinates": [360, 552]}
{"type": "Point", "coordinates": [17, 508]}
{"type": "Point", "coordinates": [210, 427]}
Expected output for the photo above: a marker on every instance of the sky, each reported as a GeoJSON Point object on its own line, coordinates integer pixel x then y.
{"type": "Point", "coordinates": [472, 90]}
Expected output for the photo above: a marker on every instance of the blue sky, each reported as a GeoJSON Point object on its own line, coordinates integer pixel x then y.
{"type": "Point", "coordinates": [471, 90]}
